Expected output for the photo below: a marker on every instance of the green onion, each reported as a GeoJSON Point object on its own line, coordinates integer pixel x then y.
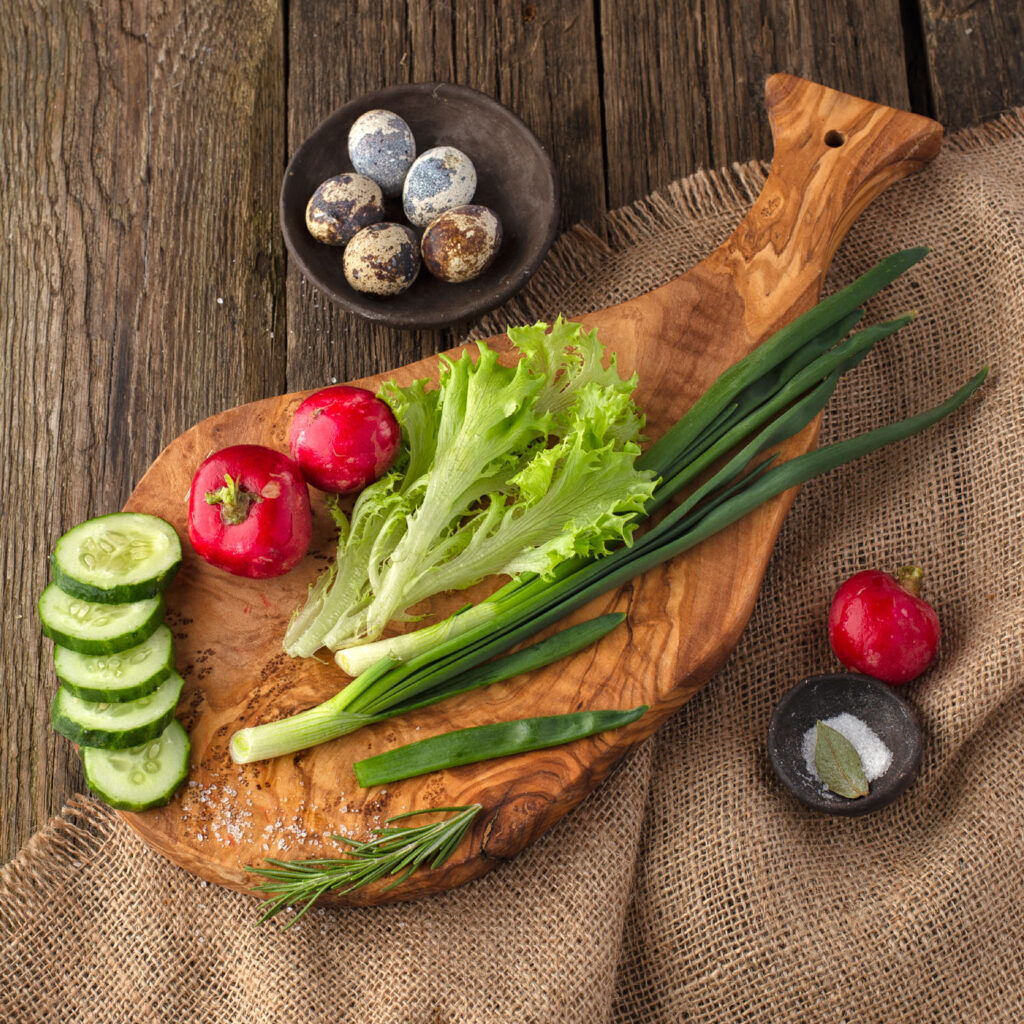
{"type": "Point", "coordinates": [308, 728]}
{"type": "Point", "coordinates": [807, 379]}
{"type": "Point", "coordinates": [537, 603]}
{"type": "Point", "coordinates": [330, 720]}
{"type": "Point", "coordinates": [486, 742]}
{"type": "Point", "coordinates": [747, 417]}
{"type": "Point", "coordinates": [782, 345]}
{"type": "Point", "coordinates": [559, 645]}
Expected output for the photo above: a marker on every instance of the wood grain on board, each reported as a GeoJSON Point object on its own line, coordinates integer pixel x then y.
{"type": "Point", "coordinates": [833, 154]}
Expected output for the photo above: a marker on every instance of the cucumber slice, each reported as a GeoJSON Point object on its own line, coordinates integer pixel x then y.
{"type": "Point", "coordinates": [126, 675]}
{"type": "Point", "coordinates": [125, 556]}
{"type": "Point", "coordinates": [140, 777]}
{"type": "Point", "coordinates": [116, 726]}
{"type": "Point", "coordinates": [93, 628]}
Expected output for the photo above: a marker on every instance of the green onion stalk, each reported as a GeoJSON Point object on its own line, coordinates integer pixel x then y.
{"type": "Point", "coordinates": [757, 403]}
{"type": "Point", "coordinates": [330, 720]}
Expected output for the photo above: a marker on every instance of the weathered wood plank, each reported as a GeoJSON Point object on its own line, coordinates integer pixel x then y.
{"type": "Point", "coordinates": [538, 59]}
{"type": "Point", "coordinates": [367, 46]}
{"type": "Point", "coordinates": [975, 57]}
{"type": "Point", "coordinates": [141, 289]}
{"type": "Point", "coordinates": [683, 83]}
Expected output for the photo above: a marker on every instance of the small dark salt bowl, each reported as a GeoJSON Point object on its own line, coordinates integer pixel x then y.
{"type": "Point", "coordinates": [823, 697]}
{"type": "Point", "coordinates": [515, 178]}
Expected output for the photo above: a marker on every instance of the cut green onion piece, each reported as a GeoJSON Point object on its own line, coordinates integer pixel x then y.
{"type": "Point", "coordinates": [486, 742]}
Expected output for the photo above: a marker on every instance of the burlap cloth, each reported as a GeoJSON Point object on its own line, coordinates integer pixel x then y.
{"type": "Point", "coordinates": [691, 887]}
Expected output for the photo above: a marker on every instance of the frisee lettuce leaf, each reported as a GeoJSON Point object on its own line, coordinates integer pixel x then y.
{"type": "Point", "coordinates": [504, 471]}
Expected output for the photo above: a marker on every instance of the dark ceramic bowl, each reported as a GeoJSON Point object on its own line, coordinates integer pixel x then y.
{"type": "Point", "coordinates": [875, 704]}
{"type": "Point", "coordinates": [515, 178]}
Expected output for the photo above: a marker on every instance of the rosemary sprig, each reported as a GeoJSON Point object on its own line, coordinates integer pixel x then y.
{"type": "Point", "coordinates": [397, 850]}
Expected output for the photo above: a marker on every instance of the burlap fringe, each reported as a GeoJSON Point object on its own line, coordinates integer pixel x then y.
{"type": "Point", "coordinates": [685, 201]}
{"type": "Point", "coordinates": [50, 859]}
{"type": "Point", "coordinates": [575, 252]}
{"type": "Point", "coordinates": [1009, 125]}
{"type": "Point", "coordinates": [55, 853]}
{"type": "Point", "coordinates": [566, 261]}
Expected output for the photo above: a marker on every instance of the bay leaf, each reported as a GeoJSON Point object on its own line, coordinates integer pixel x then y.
{"type": "Point", "coordinates": [837, 762]}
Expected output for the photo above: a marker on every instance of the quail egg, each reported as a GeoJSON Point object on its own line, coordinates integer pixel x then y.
{"type": "Point", "coordinates": [381, 146]}
{"type": "Point", "coordinates": [460, 244]}
{"type": "Point", "coordinates": [382, 259]}
{"type": "Point", "coordinates": [439, 179]}
{"type": "Point", "coordinates": [342, 206]}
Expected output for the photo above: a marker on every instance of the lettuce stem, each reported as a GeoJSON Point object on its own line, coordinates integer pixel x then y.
{"type": "Point", "coordinates": [353, 661]}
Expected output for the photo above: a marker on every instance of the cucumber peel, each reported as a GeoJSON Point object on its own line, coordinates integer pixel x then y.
{"type": "Point", "coordinates": [116, 726]}
{"type": "Point", "coordinates": [141, 777]}
{"type": "Point", "coordinates": [117, 558]}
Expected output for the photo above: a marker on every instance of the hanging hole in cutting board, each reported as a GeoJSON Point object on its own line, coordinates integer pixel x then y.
{"type": "Point", "coordinates": [834, 139]}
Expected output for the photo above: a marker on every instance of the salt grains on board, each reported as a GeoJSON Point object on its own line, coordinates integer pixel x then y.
{"type": "Point", "coordinates": [875, 756]}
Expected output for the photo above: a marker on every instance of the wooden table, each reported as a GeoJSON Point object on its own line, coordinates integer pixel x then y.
{"type": "Point", "coordinates": [144, 283]}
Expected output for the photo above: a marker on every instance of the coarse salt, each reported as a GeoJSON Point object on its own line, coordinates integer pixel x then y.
{"type": "Point", "coordinates": [875, 756]}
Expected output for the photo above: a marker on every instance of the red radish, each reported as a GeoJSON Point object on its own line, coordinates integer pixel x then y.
{"type": "Point", "coordinates": [248, 512]}
{"type": "Point", "coordinates": [344, 438]}
{"type": "Point", "coordinates": [879, 625]}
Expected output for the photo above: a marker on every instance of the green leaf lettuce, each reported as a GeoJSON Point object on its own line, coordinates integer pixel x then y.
{"type": "Point", "coordinates": [505, 470]}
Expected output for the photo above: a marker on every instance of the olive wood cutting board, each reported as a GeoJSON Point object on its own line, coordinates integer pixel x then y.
{"type": "Point", "coordinates": [833, 154]}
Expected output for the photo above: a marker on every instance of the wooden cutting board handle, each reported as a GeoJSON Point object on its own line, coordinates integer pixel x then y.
{"type": "Point", "coordinates": [834, 153]}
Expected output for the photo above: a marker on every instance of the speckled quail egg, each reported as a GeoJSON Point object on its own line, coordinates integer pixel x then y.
{"type": "Point", "coordinates": [382, 259]}
{"type": "Point", "coordinates": [381, 146]}
{"type": "Point", "coordinates": [460, 244]}
{"type": "Point", "coordinates": [439, 179]}
{"type": "Point", "coordinates": [342, 206]}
